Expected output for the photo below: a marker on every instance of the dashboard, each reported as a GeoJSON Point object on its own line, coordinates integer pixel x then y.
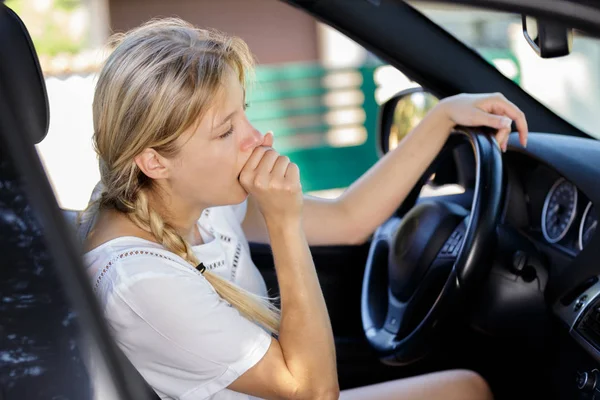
{"type": "Point", "coordinates": [552, 199]}
{"type": "Point", "coordinates": [548, 206]}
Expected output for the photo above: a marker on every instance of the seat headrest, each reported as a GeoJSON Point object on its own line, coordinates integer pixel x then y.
{"type": "Point", "coordinates": [22, 83]}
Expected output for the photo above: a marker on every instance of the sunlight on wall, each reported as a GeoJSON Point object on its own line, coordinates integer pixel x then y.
{"type": "Point", "coordinates": [337, 50]}
{"type": "Point", "coordinates": [66, 152]}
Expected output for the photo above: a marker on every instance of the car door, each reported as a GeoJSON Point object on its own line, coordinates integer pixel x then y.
{"type": "Point", "coordinates": [53, 340]}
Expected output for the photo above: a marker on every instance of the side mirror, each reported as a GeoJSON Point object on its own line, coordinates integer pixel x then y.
{"type": "Point", "coordinates": [548, 39]}
{"type": "Point", "coordinates": [400, 114]}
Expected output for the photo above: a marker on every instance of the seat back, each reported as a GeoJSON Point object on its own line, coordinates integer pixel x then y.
{"type": "Point", "coordinates": [39, 239]}
{"type": "Point", "coordinates": [71, 217]}
{"type": "Point", "coordinates": [21, 78]}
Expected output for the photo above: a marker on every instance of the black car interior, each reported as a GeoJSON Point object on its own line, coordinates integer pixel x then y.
{"type": "Point", "coordinates": [537, 312]}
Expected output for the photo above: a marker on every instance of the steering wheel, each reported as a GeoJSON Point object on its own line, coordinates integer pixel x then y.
{"type": "Point", "coordinates": [420, 266]}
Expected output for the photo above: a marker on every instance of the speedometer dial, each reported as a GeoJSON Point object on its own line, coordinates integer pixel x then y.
{"type": "Point", "coordinates": [559, 210]}
{"type": "Point", "coordinates": [589, 222]}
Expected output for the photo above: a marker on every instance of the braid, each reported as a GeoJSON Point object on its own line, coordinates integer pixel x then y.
{"type": "Point", "coordinates": [256, 308]}
{"type": "Point", "coordinates": [150, 221]}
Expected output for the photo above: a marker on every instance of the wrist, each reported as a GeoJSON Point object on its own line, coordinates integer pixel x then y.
{"type": "Point", "coordinates": [441, 114]}
{"type": "Point", "coordinates": [283, 226]}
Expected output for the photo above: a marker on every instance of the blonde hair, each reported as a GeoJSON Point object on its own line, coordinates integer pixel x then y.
{"type": "Point", "coordinates": [159, 80]}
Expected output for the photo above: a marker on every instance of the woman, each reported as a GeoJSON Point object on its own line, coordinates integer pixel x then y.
{"type": "Point", "coordinates": [186, 181]}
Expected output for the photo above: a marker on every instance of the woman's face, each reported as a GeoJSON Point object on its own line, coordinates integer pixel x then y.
{"type": "Point", "coordinates": [212, 153]}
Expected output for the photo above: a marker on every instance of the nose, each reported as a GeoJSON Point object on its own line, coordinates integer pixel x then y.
{"type": "Point", "coordinates": [252, 140]}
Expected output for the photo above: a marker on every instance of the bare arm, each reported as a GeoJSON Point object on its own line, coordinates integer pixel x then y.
{"type": "Point", "coordinates": [352, 217]}
{"type": "Point", "coordinates": [302, 364]}
{"type": "Point", "coordinates": [368, 202]}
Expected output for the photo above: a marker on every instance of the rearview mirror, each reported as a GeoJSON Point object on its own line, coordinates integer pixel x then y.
{"type": "Point", "coordinates": [400, 114]}
{"type": "Point", "coordinates": [548, 39]}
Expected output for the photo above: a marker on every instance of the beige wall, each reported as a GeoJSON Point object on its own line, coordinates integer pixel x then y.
{"type": "Point", "coordinates": [275, 32]}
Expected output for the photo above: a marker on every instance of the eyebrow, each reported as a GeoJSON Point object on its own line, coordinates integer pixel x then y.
{"type": "Point", "coordinates": [227, 118]}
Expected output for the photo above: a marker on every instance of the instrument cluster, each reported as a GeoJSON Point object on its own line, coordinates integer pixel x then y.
{"type": "Point", "coordinates": [566, 211]}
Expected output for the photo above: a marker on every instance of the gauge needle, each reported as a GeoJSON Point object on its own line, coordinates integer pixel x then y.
{"type": "Point", "coordinates": [590, 229]}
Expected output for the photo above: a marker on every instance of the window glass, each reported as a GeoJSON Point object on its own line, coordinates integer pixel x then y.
{"type": "Point", "coordinates": [569, 85]}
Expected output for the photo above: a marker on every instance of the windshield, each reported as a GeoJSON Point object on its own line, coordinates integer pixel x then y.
{"type": "Point", "coordinates": [569, 86]}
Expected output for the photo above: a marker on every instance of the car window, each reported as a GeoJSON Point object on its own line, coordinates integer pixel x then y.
{"type": "Point", "coordinates": [43, 350]}
{"type": "Point", "coordinates": [321, 105]}
{"type": "Point", "coordinates": [569, 86]}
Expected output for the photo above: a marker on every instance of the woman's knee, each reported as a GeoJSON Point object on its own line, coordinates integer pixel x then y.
{"type": "Point", "coordinates": [456, 384]}
{"type": "Point", "coordinates": [472, 384]}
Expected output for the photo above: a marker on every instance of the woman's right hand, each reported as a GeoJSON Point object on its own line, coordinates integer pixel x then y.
{"type": "Point", "coordinates": [274, 182]}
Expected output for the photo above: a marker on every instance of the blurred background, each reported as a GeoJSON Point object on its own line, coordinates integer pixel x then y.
{"type": "Point", "coordinates": [316, 89]}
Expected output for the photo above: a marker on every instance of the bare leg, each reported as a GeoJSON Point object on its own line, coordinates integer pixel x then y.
{"type": "Point", "coordinates": [445, 385]}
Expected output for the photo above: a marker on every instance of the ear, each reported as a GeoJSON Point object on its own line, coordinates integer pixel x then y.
{"type": "Point", "coordinates": [152, 164]}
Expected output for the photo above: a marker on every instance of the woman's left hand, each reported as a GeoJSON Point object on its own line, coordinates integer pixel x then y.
{"type": "Point", "coordinates": [492, 110]}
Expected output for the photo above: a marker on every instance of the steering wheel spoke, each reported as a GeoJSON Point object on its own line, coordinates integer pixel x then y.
{"type": "Point", "coordinates": [396, 314]}
{"type": "Point", "coordinates": [451, 248]}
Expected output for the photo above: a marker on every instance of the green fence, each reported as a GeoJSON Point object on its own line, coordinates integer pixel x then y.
{"type": "Point", "coordinates": [325, 120]}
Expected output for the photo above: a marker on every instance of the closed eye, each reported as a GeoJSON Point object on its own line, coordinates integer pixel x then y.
{"type": "Point", "coordinates": [228, 133]}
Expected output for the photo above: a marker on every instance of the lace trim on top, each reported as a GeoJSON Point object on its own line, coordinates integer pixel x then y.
{"type": "Point", "coordinates": [128, 254]}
